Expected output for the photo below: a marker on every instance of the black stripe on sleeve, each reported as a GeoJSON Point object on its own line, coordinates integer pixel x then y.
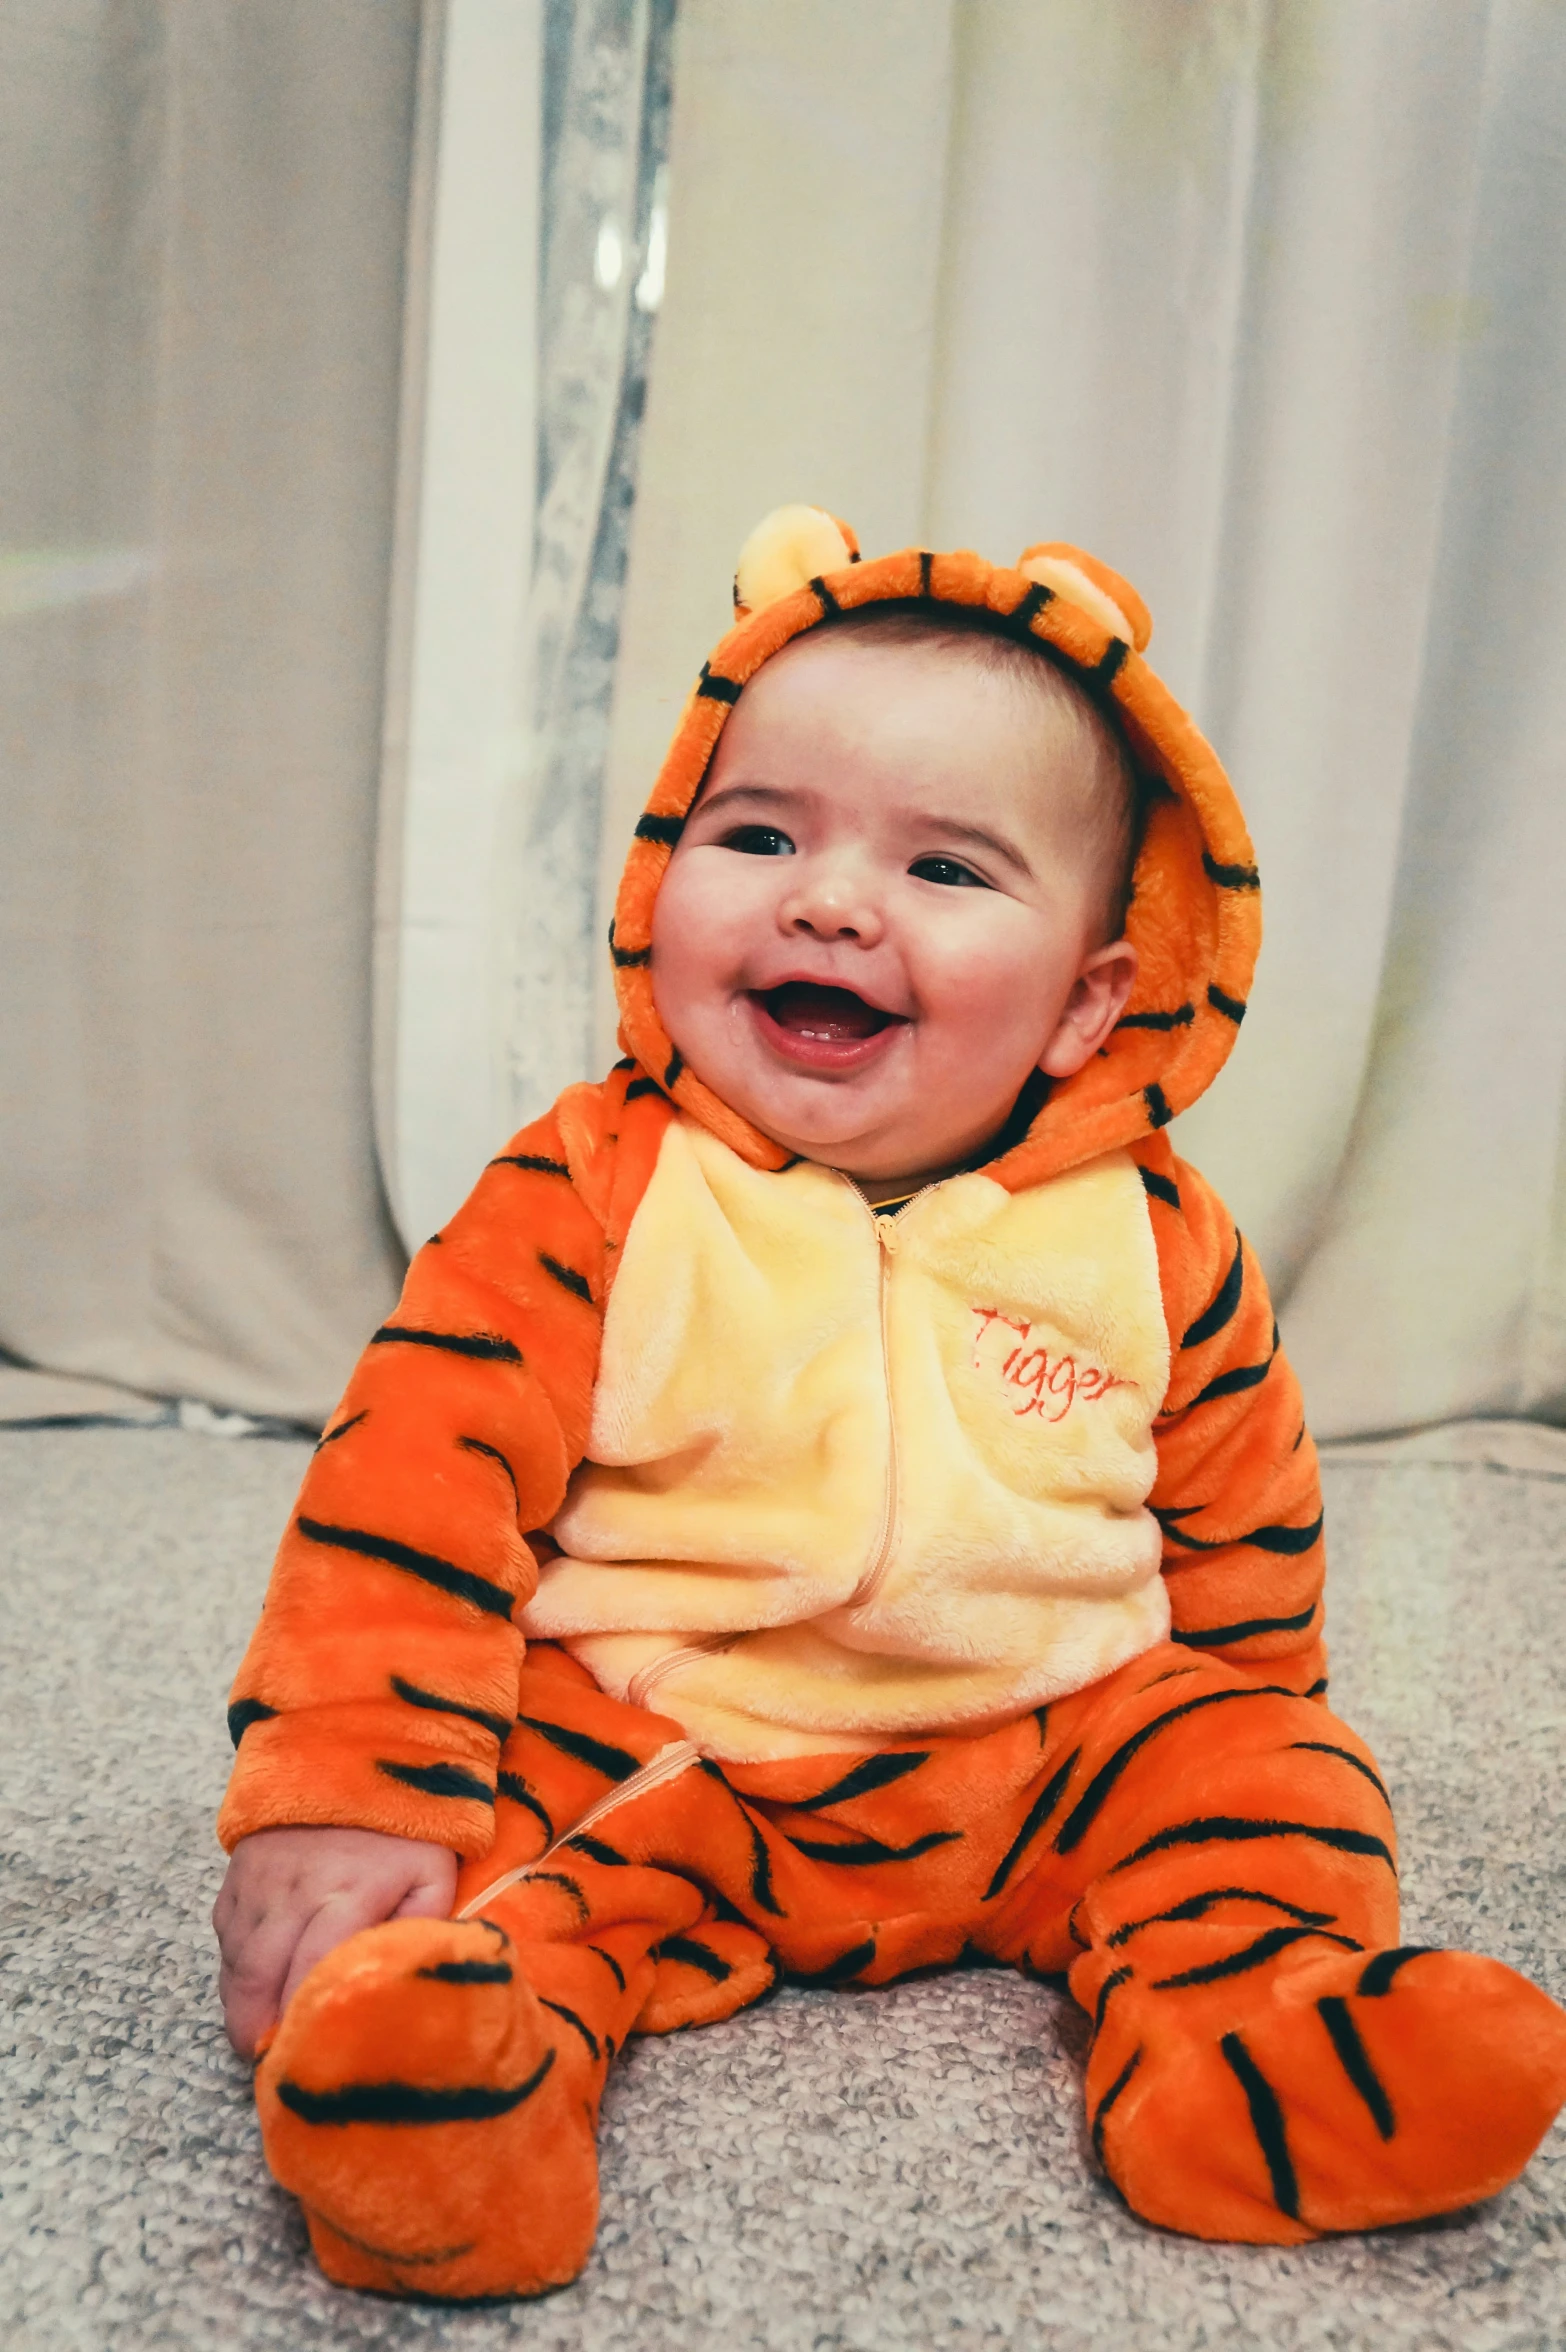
{"type": "Point", "coordinates": [1158, 1112]}
{"type": "Point", "coordinates": [245, 1712]}
{"type": "Point", "coordinates": [1231, 1383]}
{"type": "Point", "coordinates": [398, 2102]}
{"type": "Point", "coordinates": [1225, 1300]}
{"type": "Point", "coordinates": [1227, 1829]}
{"type": "Point", "coordinates": [1093, 1798]}
{"type": "Point", "coordinates": [514, 1787]}
{"type": "Point", "coordinates": [468, 1972]}
{"type": "Point", "coordinates": [1266, 2122]}
{"type": "Point", "coordinates": [1290, 1541]}
{"type": "Point", "coordinates": [1230, 1006]}
{"type": "Point", "coordinates": [596, 1850]}
{"type": "Point", "coordinates": [762, 1893]}
{"type": "Point", "coordinates": [1198, 1906]}
{"type": "Point", "coordinates": [1383, 1968]}
{"type": "Point", "coordinates": [614, 1763]}
{"type": "Point", "coordinates": [666, 830]}
{"type": "Point", "coordinates": [461, 1583]}
{"type": "Point", "coordinates": [439, 1780]}
{"type": "Point", "coordinates": [1038, 1813]}
{"type": "Point", "coordinates": [1252, 1955]}
{"type": "Point", "coordinates": [477, 1445]}
{"type": "Point", "coordinates": [858, 1852]}
{"type": "Point", "coordinates": [484, 1345]}
{"type": "Point", "coordinates": [536, 1161]}
{"type": "Point", "coordinates": [330, 1436]}
{"type": "Point", "coordinates": [876, 1772]}
{"type": "Point", "coordinates": [500, 1725]}
{"type": "Point", "coordinates": [1326, 1748]}
{"type": "Point", "coordinates": [694, 1955]}
{"type": "Point", "coordinates": [571, 2018]}
{"type": "Point", "coordinates": [1216, 1637]}
{"type": "Point", "coordinates": [1180, 1018]}
{"type": "Point", "coordinates": [567, 1277]}
{"type": "Point", "coordinates": [1354, 2059]}
{"type": "Point", "coordinates": [1159, 1188]}
{"type": "Point", "coordinates": [1230, 877]}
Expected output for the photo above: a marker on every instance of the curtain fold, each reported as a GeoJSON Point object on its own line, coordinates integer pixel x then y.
{"type": "Point", "coordinates": [1263, 301]}
{"type": "Point", "coordinates": [199, 328]}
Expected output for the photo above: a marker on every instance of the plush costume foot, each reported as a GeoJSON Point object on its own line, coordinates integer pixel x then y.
{"type": "Point", "coordinates": [1323, 2092]}
{"type": "Point", "coordinates": [434, 2117]}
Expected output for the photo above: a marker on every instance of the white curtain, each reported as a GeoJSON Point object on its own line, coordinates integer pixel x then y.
{"type": "Point", "coordinates": [200, 305]}
{"type": "Point", "coordinates": [1264, 301]}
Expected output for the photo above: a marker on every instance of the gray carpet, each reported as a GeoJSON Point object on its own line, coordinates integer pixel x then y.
{"type": "Point", "coordinates": [836, 2173]}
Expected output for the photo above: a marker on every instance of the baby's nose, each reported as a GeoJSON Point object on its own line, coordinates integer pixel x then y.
{"type": "Point", "coordinates": [832, 902]}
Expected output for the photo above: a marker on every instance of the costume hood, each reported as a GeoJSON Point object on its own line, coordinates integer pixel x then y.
{"type": "Point", "coordinates": [1195, 913]}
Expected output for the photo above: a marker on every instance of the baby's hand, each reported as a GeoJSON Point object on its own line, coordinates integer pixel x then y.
{"type": "Point", "coordinates": [291, 1894]}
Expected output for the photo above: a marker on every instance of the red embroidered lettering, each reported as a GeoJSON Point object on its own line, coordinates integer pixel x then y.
{"type": "Point", "coordinates": [1049, 1384]}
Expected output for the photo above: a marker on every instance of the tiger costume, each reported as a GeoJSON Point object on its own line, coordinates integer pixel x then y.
{"type": "Point", "coordinates": [750, 1585]}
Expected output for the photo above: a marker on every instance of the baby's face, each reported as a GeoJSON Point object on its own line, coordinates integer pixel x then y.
{"type": "Point", "coordinates": [879, 917]}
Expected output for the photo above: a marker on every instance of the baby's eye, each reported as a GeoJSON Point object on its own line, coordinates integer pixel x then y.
{"type": "Point", "coordinates": [945, 869]}
{"type": "Point", "coordinates": [758, 841]}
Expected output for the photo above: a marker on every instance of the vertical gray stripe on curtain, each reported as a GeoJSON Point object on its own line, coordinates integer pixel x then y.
{"type": "Point", "coordinates": [200, 312]}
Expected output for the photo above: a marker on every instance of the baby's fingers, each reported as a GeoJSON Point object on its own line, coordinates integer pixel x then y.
{"type": "Point", "coordinates": [250, 1980]}
{"type": "Point", "coordinates": [340, 1916]}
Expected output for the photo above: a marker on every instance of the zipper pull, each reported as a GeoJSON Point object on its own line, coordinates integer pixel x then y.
{"type": "Point", "coordinates": [886, 1234]}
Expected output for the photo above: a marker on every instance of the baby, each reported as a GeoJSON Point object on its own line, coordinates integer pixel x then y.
{"type": "Point", "coordinates": [832, 1502]}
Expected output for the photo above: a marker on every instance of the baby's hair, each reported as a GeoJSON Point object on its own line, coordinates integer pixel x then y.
{"type": "Point", "coordinates": [1111, 801]}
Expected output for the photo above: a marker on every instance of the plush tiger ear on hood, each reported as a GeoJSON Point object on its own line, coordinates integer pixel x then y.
{"type": "Point", "coordinates": [1195, 913]}
{"type": "Point", "coordinates": [791, 547]}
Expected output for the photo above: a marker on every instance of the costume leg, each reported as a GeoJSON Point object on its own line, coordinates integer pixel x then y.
{"type": "Point", "coordinates": [1268, 2062]}
{"type": "Point", "coordinates": [432, 2094]}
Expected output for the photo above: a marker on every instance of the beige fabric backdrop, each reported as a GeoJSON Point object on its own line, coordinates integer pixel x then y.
{"type": "Point", "coordinates": [1263, 301]}
{"type": "Point", "coordinates": [200, 303]}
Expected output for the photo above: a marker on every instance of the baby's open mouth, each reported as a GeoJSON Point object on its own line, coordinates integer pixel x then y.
{"type": "Point", "coordinates": [806, 1008]}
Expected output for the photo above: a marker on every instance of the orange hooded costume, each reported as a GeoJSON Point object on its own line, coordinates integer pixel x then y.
{"type": "Point", "coordinates": [913, 1524]}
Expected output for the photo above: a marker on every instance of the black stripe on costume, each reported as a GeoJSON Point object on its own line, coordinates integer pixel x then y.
{"type": "Point", "coordinates": [476, 1445]}
{"type": "Point", "coordinates": [1035, 1093]}
{"type": "Point", "coordinates": [709, 689]}
{"type": "Point", "coordinates": [398, 2102]}
{"type": "Point", "coordinates": [1158, 1112]}
{"type": "Point", "coordinates": [876, 1772]}
{"type": "Point", "coordinates": [1231, 1383]}
{"type": "Point", "coordinates": [1198, 1906]}
{"type": "Point", "coordinates": [434, 1704]}
{"type": "Point", "coordinates": [560, 1878]}
{"type": "Point", "coordinates": [1159, 1188]}
{"type": "Point", "coordinates": [1228, 1829]}
{"type": "Point", "coordinates": [1101, 2116]}
{"type": "Point", "coordinates": [672, 1073]}
{"type": "Point", "coordinates": [439, 1780]}
{"type": "Point", "coordinates": [610, 1962]}
{"type": "Point", "coordinates": [462, 1583]}
{"type": "Point", "coordinates": [567, 1277]}
{"type": "Point", "coordinates": [1230, 877]}
{"type": "Point", "coordinates": [330, 1436]}
{"type": "Point", "coordinates": [628, 959]}
{"type": "Point", "coordinates": [1214, 1637]}
{"type": "Point", "coordinates": [1230, 1006]}
{"type": "Point", "coordinates": [1116, 1977]}
{"type": "Point", "coordinates": [614, 1763]}
{"type": "Point", "coordinates": [860, 1851]}
{"type": "Point", "coordinates": [761, 1889]}
{"type": "Point", "coordinates": [1326, 1748]}
{"type": "Point", "coordinates": [926, 566]}
{"type": "Point", "coordinates": [665, 830]}
{"type": "Point", "coordinates": [640, 1086]}
{"type": "Point", "coordinates": [1107, 668]}
{"type": "Point", "coordinates": [1384, 1967]}
{"type": "Point", "coordinates": [1038, 1813]}
{"type": "Point", "coordinates": [1266, 2122]}
{"type": "Point", "coordinates": [1225, 1299]}
{"type": "Point", "coordinates": [536, 1161]}
{"type": "Point", "coordinates": [824, 597]}
{"type": "Point", "coordinates": [1354, 2059]}
{"type": "Point", "coordinates": [1093, 1798]}
{"type": "Point", "coordinates": [1253, 1955]}
{"type": "Point", "coordinates": [694, 1955]}
{"type": "Point", "coordinates": [465, 1972]}
{"type": "Point", "coordinates": [1180, 1018]}
{"type": "Point", "coordinates": [571, 2018]}
{"type": "Point", "coordinates": [836, 1971]}
{"type": "Point", "coordinates": [511, 1785]}
{"type": "Point", "coordinates": [485, 1345]}
{"type": "Point", "coordinates": [596, 1850]}
{"type": "Point", "coordinates": [243, 1713]}
{"type": "Point", "coordinates": [1021, 614]}
{"type": "Point", "coordinates": [1290, 1542]}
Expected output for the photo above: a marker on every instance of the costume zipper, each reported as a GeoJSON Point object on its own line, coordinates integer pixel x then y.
{"type": "Point", "coordinates": [647, 1678]}
{"type": "Point", "coordinates": [668, 1764]}
{"type": "Point", "coordinates": [886, 1540]}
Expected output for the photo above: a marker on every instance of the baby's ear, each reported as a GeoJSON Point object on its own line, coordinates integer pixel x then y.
{"type": "Point", "coordinates": [1083, 581]}
{"type": "Point", "coordinates": [794, 545]}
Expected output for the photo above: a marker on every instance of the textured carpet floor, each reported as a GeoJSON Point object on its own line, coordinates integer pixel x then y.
{"type": "Point", "coordinates": [836, 2173]}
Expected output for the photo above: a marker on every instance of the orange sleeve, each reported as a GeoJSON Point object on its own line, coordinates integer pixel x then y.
{"type": "Point", "coordinates": [1238, 1492]}
{"type": "Point", "coordinates": [382, 1677]}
